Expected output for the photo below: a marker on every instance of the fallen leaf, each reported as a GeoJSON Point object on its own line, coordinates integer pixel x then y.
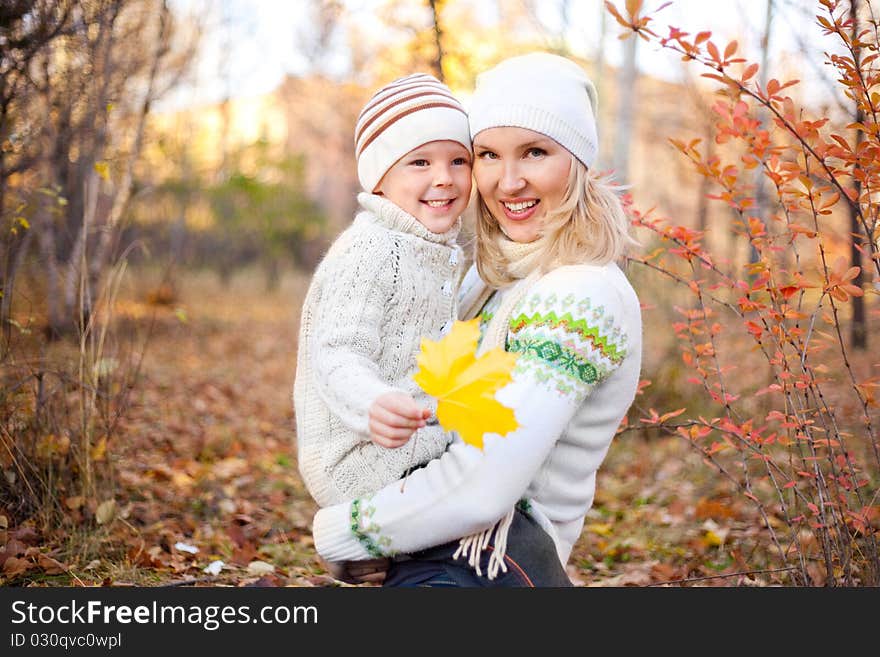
{"type": "Point", "coordinates": [230, 467]}
{"type": "Point", "coordinates": [186, 547]}
{"type": "Point", "coordinates": [13, 549]}
{"type": "Point", "coordinates": [265, 581]}
{"type": "Point", "coordinates": [715, 535]}
{"type": "Point", "coordinates": [106, 512]}
{"type": "Point", "coordinates": [664, 572]}
{"type": "Point", "coordinates": [214, 567]}
{"type": "Point", "coordinates": [99, 450]}
{"type": "Point", "coordinates": [260, 568]}
{"type": "Point", "coordinates": [712, 509]}
{"type": "Point", "coordinates": [50, 566]}
{"type": "Point", "coordinates": [464, 385]}
{"type": "Point", "coordinates": [13, 567]}
{"type": "Point", "coordinates": [25, 534]}
{"type": "Point", "coordinates": [75, 502]}
{"type": "Point", "coordinates": [602, 529]}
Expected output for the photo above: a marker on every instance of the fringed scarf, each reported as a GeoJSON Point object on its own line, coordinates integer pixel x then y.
{"type": "Point", "coordinates": [522, 264]}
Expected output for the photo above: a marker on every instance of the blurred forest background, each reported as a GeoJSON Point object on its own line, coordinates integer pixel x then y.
{"type": "Point", "coordinates": [159, 224]}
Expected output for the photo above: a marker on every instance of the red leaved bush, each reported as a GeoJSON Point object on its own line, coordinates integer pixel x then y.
{"type": "Point", "coordinates": [775, 347]}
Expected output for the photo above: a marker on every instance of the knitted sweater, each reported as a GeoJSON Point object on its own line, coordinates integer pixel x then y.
{"type": "Point", "coordinates": [385, 283]}
{"type": "Point", "coordinates": [578, 333]}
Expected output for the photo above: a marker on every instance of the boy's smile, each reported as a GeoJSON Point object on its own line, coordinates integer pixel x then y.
{"type": "Point", "coordinates": [432, 183]}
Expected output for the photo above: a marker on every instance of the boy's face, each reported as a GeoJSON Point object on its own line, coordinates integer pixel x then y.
{"type": "Point", "coordinates": [432, 183]}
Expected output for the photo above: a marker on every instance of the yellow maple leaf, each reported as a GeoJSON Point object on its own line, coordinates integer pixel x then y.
{"type": "Point", "coordinates": [465, 385]}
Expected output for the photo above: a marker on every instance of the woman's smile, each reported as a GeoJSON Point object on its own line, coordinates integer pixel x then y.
{"type": "Point", "coordinates": [520, 209]}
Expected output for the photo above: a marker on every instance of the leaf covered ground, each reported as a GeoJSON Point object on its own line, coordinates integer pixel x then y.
{"type": "Point", "coordinates": [203, 469]}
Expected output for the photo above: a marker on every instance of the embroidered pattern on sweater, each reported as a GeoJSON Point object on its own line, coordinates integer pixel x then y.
{"type": "Point", "coordinates": [587, 331]}
{"type": "Point", "coordinates": [361, 523]}
{"type": "Point", "coordinates": [488, 312]}
{"type": "Point", "coordinates": [525, 506]}
{"type": "Point", "coordinates": [557, 356]}
{"type": "Point", "coordinates": [569, 345]}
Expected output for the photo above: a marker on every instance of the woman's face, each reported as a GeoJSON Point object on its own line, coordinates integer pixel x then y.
{"type": "Point", "coordinates": [521, 175]}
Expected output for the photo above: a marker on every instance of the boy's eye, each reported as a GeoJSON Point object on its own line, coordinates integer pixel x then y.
{"type": "Point", "coordinates": [419, 163]}
{"type": "Point", "coordinates": [460, 161]}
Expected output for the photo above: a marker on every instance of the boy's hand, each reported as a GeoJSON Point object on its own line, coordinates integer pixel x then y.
{"type": "Point", "coordinates": [394, 417]}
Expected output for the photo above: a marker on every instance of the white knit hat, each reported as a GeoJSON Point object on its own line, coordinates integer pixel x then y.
{"type": "Point", "coordinates": [541, 92]}
{"type": "Point", "coordinates": [401, 116]}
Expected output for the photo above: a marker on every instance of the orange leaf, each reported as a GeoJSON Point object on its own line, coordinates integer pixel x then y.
{"type": "Point", "coordinates": [730, 49]}
{"type": "Point", "coordinates": [713, 51]}
{"type": "Point", "coordinates": [672, 414]}
{"type": "Point", "coordinates": [633, 7]}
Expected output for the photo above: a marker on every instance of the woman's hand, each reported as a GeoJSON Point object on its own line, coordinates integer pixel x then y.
{"type": "Point", "coordinates": [394, 417]}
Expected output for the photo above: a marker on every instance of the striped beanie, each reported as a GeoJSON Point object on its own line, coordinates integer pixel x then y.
{"type": "Point", "coordinates": [402, 116]}
{"type": "Point", "coordinates": [541, 92]}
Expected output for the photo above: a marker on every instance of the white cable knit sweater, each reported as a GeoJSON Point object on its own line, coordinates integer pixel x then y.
{"type": "Point", "coordinates": [385, 283]}
{"type": "Point", "coordinates": [578, 332]}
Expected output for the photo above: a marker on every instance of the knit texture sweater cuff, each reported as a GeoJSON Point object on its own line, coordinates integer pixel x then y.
{"type": "Point", "coordinates": [333, 534]}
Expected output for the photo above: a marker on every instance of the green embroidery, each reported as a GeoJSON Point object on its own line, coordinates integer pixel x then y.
{"type": "Point", "coordinates": [544, 374]}
{"type": "Point", "coordinates": [587, 331]}
{"type": "Point", "coordinates": [359, 517]}
{"type": "Point", "coordinates": [560, 357]}
{"type": "Point", "coordinates": [488, 312]}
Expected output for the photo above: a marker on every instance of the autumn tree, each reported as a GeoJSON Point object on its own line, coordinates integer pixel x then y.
{"type": "Point", "coordinates": [779, 404]}
{"type": "Point", "coordinates": [79, 81]}
{"type": "Point", "coordinates": [83, 78]}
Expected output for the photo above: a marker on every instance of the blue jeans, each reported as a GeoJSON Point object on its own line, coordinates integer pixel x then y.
{"type": "Point", "coordinates": [531, 561]}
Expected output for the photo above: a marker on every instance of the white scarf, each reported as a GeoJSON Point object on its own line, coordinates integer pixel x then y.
{"type": "Point", "coordinates": [523, 265]}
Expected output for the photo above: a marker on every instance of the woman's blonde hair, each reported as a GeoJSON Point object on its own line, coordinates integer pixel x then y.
{"type": "Point", "coordinates": [588, 227]}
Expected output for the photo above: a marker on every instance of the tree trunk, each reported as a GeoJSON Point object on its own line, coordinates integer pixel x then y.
{"type": "Point", "coordinates": [78, 296]}
{"type": "Point", "coordinates": [273, 273]}
{"type": "Point", "coordinates": [626, 97]}
{"type": "Point", "coordinates": [705, 182]}
{"type": "Point", "coordinates": [761, 199]}
{"type": "Point", "coordinates": [859, 330]}
{"type": "Point", "coordinates": [437, 64]}
{"type": "Point", "coordinates": [98, 264]}
{"type": "Point", "coordinates": [599, 75]}
{"type": "Point", "coordinates": [47, 235]}
{"type": "Point", "coordinates": [15, 258]}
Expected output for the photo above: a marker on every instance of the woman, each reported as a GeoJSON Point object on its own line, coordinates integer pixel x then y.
{"type": "Point", "coordinates": [545, 286]}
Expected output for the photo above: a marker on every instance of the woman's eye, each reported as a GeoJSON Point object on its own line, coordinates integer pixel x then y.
{"type": "Point", "coordinates": [487, 155]}
{"type": "Point", "coordinates": [536, 152]}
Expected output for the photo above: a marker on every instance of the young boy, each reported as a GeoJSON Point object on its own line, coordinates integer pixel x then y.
{"type": "Point", "coordinates": [387, 281]}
